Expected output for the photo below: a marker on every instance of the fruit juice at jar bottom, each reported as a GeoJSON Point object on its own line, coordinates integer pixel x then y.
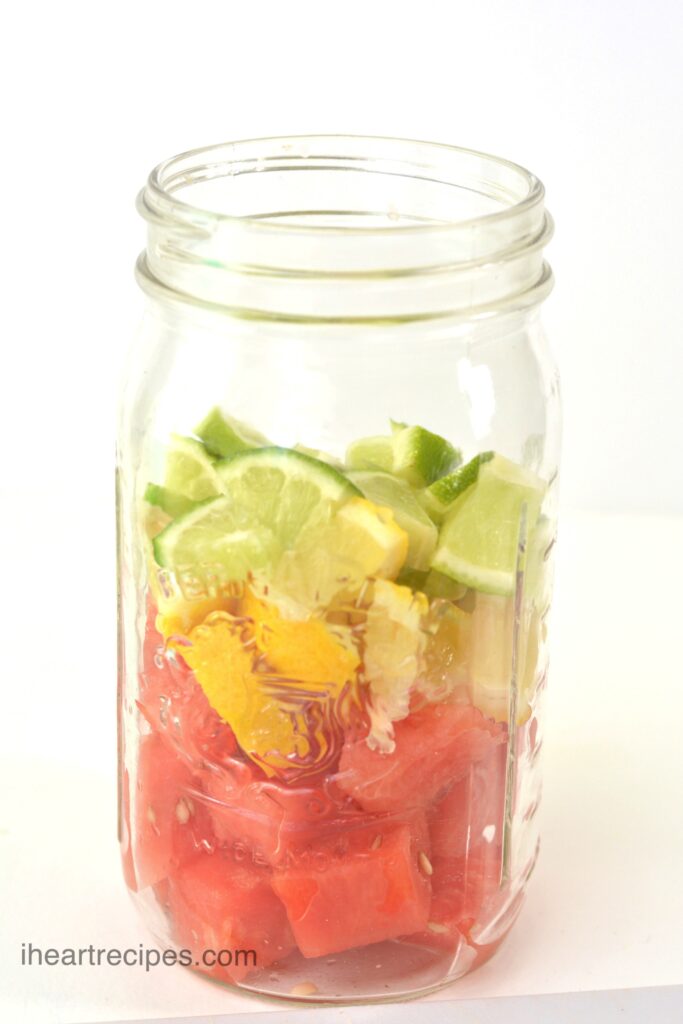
{"type": "Point", "coordinates": [328, 770]}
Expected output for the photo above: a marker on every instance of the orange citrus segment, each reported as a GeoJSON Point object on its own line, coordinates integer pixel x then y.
{"type": "Point", "coordinates": [305, 651]}
{"type": "Point", "coordinates": [280, 685]}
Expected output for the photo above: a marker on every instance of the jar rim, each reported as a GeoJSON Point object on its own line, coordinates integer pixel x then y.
{"type": "Point", "coordinates": [377, 227]}
{"type": "Point", "coordinates": [159, 196]}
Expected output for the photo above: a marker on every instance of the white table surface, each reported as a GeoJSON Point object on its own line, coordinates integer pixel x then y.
{"type": "Point", "coordinates": [605, 905]}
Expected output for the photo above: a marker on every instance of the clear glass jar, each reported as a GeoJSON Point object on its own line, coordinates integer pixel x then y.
{"type": "Point", "coordinates": [337, 476]}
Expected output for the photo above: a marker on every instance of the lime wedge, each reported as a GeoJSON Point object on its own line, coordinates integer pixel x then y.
{"type": "Point", "coordinates": [190, 470]}
{"type": "Point", "coordinates": [388, 491]}
{"type": "Point", "coordinates": [224, 435]}
{"type": "Point", "coordinates": [371, 453]}
{"type": "Point", "coordinates": [479, 539]}
{"type": "Point", "coordinates": [439, 496]}
{"type": "Point", "coordinates": [433, 584]}
{"type": "Point", "coordinates": [170, 502]}
{"type": "Point", "coordinates": [420, 456]}
{"type": "Point", "coordinates": [413, 453]}
{"type": "Point", "coordinates": [438, 585]}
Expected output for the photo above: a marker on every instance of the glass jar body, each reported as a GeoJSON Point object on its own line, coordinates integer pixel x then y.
{"type": "Point", "coordinates": [330, 772]}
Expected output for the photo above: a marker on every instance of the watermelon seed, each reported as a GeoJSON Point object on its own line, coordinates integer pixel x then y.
{"type": "Point", "coordinates": [489, 833]}
{"type": "Point", "coordinates": [425, 863]}
{"type": "Point", "coordinates": [182, 811]}
{"type": "Point", "coordinates": [439, 929]}
{"type": "Point", "coordinates": [376, 842]}
{"type": "Point", "coordinates": [304, 988]}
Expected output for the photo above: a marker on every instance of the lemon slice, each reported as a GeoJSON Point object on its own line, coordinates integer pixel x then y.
{"type": "Point", "coordinates": [394, 643]}
{"type": "Point", "coordinates": [361, 540]}
{"type": "Point", "coordinates": [389, 492]}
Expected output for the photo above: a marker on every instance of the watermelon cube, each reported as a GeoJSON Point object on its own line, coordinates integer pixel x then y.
{"type": "Point", "coordinates": [362, 886]}
{"type": "Point", "coordinates": [435, 747]}
{"type": "Point", "coordinates": [218, 903]}
{"type": "Point", "coordinates": [271, 820]}
{"type": "Point", "coordinates": [170, 824]}
{"type": "Point", "coordinates": [460, 888]}
{"type": "Point", "coordinates": [469, 817]}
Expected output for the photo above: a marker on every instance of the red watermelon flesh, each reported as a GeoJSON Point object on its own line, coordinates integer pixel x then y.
{"type": "Point", "coordinates": [470, 815]}
{"type": "Point", "coordinates": [242, 814]}
{"type": "Point", "coordinates": [176, 707]}
{"type": "Point", "coordinates": [460, 888]}
{"type": "Point", "coordinates": [362, 886]}
{"type": "Point", "coordinates": [125, 836]}
{"type": "Point", "coordinates": [171, 825]}
{"type": "Point", "coordinates": [268, 819]}
{"type": "Point", "coordinates": [218, 903]}
{"type": "Point", "coordinates": [435, 747]}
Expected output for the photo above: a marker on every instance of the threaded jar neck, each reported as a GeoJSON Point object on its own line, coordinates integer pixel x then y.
{"type": "Point", "coordinates": [375, 229]}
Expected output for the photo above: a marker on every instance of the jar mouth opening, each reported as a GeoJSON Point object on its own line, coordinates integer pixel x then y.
{"type": "Point", "coordinates": [205, 187]}
{"type": "Point", "coordinates": [345, 227]}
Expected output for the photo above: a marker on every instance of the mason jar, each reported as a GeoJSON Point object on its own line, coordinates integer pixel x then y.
{"type": "Point", "coordinates": [337, 476]}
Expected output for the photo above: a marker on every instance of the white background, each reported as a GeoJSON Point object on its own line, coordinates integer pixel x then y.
{"type": "Point", "coordinates": [589, 95]}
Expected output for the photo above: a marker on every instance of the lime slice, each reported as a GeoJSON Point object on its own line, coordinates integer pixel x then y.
{"type": "Point", "coordinates": [213, 544]}
{"type": "Point", "coordinates": [283, 490]}
{"type": "Point", "coordinates": [224, 435]}
{"type": "Point", "coordinates": [371, 453]}
{"type": "Point", "coordinates": [420, 456]}
{"type": "Point", "coordinates": [438, 497]}
{"type": "Point", "coordinates": [389, 492]}
{"type": "Point", "coordinates": [190, 470]}
{"type": "Point", "coordinates": [170, 502]}
{"type": "Point", "coordinates": [270, 496]}
{"type": "Point", "coordinates": [479, 539]}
